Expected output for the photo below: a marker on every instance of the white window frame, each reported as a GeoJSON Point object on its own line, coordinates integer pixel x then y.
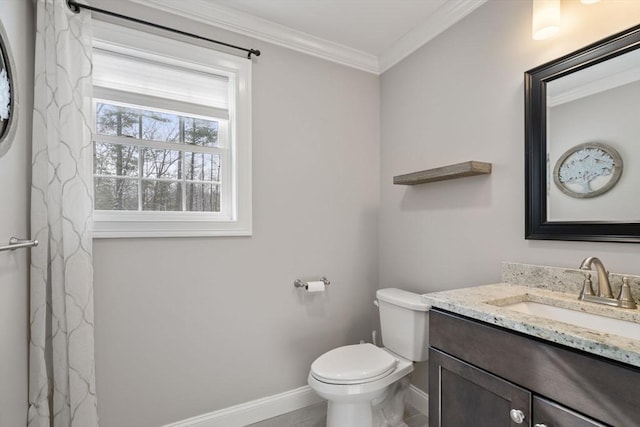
{"type": "Point", "coordinates": [237, 219]}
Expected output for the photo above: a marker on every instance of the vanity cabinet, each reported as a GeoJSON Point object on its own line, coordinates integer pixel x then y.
{"type": "Point", "coordinates": [550, 414]}
{"type": "Point", "coordinates": [468, 396]}
{"type": "Point", "coordinates": [482, 375]}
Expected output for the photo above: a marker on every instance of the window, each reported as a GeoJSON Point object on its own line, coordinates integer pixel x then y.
{"type": "Point", "coordinates": [147, 160]}
{"type": "Point", "coordinates": [172, 138]}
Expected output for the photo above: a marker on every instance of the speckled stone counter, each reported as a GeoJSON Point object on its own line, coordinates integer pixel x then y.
{"type": "Point", "coordinates": [559, 279]}
{"type": "Point", "coordinates": [486, 303]}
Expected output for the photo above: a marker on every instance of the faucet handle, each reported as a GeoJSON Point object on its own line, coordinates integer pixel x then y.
{"type": "Point", "coordinates": [625, 297]}
{"type": "Point", "coordinates": [587, 288]}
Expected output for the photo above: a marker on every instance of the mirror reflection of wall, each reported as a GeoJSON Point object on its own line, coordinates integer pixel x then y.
{"type": "Point", "coordinates": [598, 104]}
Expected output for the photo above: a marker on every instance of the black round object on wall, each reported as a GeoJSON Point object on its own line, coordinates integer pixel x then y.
{"type": "Point", "coordinates": [7, 95]}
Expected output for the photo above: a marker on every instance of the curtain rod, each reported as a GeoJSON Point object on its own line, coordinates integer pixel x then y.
{"type": "Point", "coordinates": [75, 8]}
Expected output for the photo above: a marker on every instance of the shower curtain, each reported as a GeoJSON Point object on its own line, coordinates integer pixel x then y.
{"type": "Point", "coordinates": [61, 348]}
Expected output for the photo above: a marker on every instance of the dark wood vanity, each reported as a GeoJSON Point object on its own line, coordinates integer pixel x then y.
{"type": "Point", "coordinates": [481, 375]}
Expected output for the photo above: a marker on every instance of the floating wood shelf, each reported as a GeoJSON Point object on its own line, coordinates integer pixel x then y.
{"type": "Point", "coordinates": [459, 170]}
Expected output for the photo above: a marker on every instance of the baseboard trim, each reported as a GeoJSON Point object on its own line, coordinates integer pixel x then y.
{"type": "Point", "coordinates": [418, 399]}
{"type": "Point", "coordinates": [255, 410]}
{"type": "Point", "coordinates": [278, 404]}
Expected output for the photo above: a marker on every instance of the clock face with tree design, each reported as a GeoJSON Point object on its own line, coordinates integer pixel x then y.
{"type": "Point", "coordinates": [588, 170]}
{"type": "Point", "coordinates": [7, 95]}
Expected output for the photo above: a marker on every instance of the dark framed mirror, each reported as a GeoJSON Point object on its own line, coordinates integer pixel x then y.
{"type": "Point", "coordinates": [582, 144]}
{"type": "Point", "coordinates": [7, 95]}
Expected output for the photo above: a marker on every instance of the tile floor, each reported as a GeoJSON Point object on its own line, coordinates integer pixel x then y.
{"type": "Point", "coordinates": [316, 416]}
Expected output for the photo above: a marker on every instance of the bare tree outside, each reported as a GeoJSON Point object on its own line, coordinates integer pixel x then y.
{"type": "Point", "coordinates": [202, 167]}
{"type": "Point", "coordinates": [115, 160]}
{"type": "Point", "coordinates": [138, 176]}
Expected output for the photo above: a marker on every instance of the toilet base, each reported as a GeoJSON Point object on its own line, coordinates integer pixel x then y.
{"type": "Point", "coordinates": [349, 414]}
{"type": "Point", "coordinates": [384, 410]}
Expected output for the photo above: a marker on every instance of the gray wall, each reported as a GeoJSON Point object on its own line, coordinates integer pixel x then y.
{"type": "Point", "coordinates": [17, 19]}
{"type": "Point", "coordinates": [609, 117]}
{"type": "Point", "coordinates": [459, 98]}
{"type": "Point", "coordinates": [188, 326]}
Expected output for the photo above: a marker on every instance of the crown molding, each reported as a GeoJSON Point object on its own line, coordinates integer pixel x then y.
{"type": "Point", "coordinates": [591, 88]}
{"type": "Point", "coordinates": [242, 23]}
{"type": "Point", "coordinates": [261, 29]}
{"type": "Point", "coordinates": [444, 17]}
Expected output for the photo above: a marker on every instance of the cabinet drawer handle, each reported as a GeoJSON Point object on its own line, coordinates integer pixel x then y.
{"type": "Point", "coordinates": [517, 416]}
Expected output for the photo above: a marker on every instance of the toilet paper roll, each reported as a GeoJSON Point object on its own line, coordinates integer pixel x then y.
{"type": "Point", "coordinates": [317, 286]}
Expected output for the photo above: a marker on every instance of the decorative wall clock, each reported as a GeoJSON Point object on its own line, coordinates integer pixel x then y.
{"type": "Point", "coordinates": [588, 170]}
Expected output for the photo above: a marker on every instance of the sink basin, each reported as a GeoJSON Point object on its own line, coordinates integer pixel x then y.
{"type": "Point", "coordinates": [596, 322]}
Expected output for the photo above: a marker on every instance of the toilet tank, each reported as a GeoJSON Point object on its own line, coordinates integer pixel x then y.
{"type": "Point", "coordinates": [404, 323]}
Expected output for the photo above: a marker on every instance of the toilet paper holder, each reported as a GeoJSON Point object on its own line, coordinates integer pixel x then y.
{"type": "Point", "coordinates": [305, 283]}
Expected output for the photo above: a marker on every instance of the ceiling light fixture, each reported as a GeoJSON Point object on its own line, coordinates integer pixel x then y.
{"type": "Point", "coordinates": [546, 18]}
{"type": "Point", "coordinates": [589, 1]}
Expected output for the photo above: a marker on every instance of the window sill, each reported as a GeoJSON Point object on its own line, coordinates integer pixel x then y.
{"type": "Point", "coordinates": [195, 226]}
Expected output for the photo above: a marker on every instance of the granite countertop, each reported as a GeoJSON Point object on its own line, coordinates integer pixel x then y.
{"type": "Point", "coordinates": [485, 303]}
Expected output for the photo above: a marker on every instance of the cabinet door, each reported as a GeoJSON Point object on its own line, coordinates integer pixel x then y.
{"type": "Point", "coordinates": [461, 395]}
{"type": "Point", "coordinates": [550, 414]}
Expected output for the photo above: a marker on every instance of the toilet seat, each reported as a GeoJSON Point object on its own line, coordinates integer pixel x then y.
{"type": "Point", "coordinates": [353, 364]}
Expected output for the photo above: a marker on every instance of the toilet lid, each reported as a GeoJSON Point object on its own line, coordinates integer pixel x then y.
{"type": "Point", "coordinates": [353, 364]}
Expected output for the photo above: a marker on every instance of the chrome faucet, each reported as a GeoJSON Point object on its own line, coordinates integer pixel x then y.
{"type": "Point", "coordinates": [605, 294]}
{"type": "Point", "coordinates": [604, 287]}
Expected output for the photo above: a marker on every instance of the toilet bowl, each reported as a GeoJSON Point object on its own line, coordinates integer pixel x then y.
{"type": "Point", "coordinates": [365, 385]}
{"type": "Point", "coordinates": [351, 392]}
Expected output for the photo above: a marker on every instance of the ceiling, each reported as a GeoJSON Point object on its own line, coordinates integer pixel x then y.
{"type": "Point", "coordinates": [367, 25]}
{"type": "Point", "coordinates": [371, 35]}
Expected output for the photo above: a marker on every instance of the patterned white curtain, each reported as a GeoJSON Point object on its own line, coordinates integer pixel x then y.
{"type": "Point", "coordinates": [61, 361]}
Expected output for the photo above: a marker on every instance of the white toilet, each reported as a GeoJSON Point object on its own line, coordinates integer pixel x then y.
{"type": "Point", "coordinates": [365, 385]}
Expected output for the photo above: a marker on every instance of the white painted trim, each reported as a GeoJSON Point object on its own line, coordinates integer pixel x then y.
{"type": "Point", "coordinates": [255, 410]}
{"type": "Point", "coordinates": [418, 399]}
{"type": "Point", "coordinates": [261, 29]}
{"type": "Point", "coordinates": [278, 404]}
{"type": "Point", "coordinates": [242, 23]}
{"type": "Point", "coordinates": [447, 15]}
{"type": "Point", "coordinates": [606, 83]}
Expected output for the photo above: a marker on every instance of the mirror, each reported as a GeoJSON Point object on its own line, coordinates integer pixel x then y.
{"type": "Point", "coordinates": [7, 95]}
{"type": "Point", "coordinates": [582, 144]}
